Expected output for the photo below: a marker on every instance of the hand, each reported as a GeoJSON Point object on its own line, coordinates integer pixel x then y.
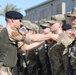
{"type": "Point", "coordinates": [46, 31]}
{"type": "Point", "coordinates": [54, 36]}
{"type": "Point", "coordinates": [16, 35]}
{"type": "Point", "coordinates": [23, 47]}
{"type": "Point", "coordinates": [20, 44]}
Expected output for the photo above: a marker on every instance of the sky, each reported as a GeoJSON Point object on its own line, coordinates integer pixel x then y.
{"type": "Point", "coordinates": [23, 4]}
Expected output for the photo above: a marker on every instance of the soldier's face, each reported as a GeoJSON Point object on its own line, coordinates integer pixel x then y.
{"type": "Point", "coordinates": [73, 21]}
{"type": "Point", "coordinates": [32, 31]}
{"type": "Point", "coordinates": [46, 30]}
{"type": "Point", "coordinates": [54, 27]}
{"type": "Point", "coordinates": [17, 23]}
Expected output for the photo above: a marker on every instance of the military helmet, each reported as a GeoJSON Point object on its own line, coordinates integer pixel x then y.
{"type": "Point", "coordinates": [56, 18]}
{"type": "Point", "coordinates": [26, 23]}
{"type": "Point", "coordinates": [35, 27]}
{"type": "Point", "coordinates": [44, 23]}
{"type": "Point", "coordinates": [73, 12]}
{"type": "Point", "coordinates": [30, 25]}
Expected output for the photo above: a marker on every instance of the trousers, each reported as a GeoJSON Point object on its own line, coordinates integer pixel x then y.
{"type": "Point", "coordinates": [4, 70]}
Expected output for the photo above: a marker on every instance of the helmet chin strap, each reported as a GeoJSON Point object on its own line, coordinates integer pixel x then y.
{"type": "Point", "coordinates": [17, 28]}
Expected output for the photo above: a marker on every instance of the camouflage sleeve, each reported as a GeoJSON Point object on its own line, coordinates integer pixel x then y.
{"type": "Point", "coordinates": [65, 40]}
{"type": "Point", "coordinates": [14, 35]}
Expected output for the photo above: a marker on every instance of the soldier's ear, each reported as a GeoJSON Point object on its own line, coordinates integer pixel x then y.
{"type": "Point", "coordinates": [60, 24]}
{"type": "Point", "coordinates": [12, 20]}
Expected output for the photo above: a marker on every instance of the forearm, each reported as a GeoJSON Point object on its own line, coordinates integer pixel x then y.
{"type": "Point", "coordinates": [40, 37]}
{"type": "Point", "coordinates": [31, 46]}
{"type": "Point", "coordinates": [43, 37]}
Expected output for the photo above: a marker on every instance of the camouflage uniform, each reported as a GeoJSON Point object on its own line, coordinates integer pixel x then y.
{"type": "Point", "coordinates": [73, 55]}
{"type": "Point", "coordinates": [30, 56]}
{"type": "Point", "coordinates": [56, 54]}
{"type": "Point", "coordinates": [72, 15]}
{"type": "Point", "coordinates": [42, 60]}
{"type": "Point", "coordinates": [42, 54]}
{"type": "Point", "coordinates": [58, 49]}
{"type": "Point", "coordinates": [31, 59]}
{"type": "Point", "coordinates": [8, 49]}
{"type": "Point", "coordinates": [51, 53]}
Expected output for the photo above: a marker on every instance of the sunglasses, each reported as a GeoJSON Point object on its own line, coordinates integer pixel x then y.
{"type": "Point", "coordinates": [43, 27]}
{"type": "Point", "coordinates": [28, 29]}
{"type": "Point", "coordinates": [20, 20]}
{"type": "Point", "coordinates": [21, 25]}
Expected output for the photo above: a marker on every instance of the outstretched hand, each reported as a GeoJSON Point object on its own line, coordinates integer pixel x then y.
{"type": "Point", "coordinates": [54, 36]}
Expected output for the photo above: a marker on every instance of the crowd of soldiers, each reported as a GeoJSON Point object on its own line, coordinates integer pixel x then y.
{"type": "Point", "coordinates": [57, 51]}
{"type": "Point", "coordinates": [45, 48]}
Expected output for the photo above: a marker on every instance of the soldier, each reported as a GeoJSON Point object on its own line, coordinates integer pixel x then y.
{"type": "Point", "coordinates": [72, 17]}
{"type": "Point", "coordinates": [58, 49]}
{"type": "Point", "coordinates": [45, 28]}
{"type": "Point", "coordinates": [32, 29]}
{"type": "Point", "coordinates": [30, 56]}
{"type": "Point", "coordinates": [32, 63]}
{"type": "Point", "coordinates": [8, 49]}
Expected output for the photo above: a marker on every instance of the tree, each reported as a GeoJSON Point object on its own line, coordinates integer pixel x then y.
{"type": "Point", "coordinates": [8, 7]}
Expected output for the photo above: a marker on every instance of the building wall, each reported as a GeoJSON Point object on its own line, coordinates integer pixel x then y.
{"type": "Point", "coordinates": [48, 9]}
